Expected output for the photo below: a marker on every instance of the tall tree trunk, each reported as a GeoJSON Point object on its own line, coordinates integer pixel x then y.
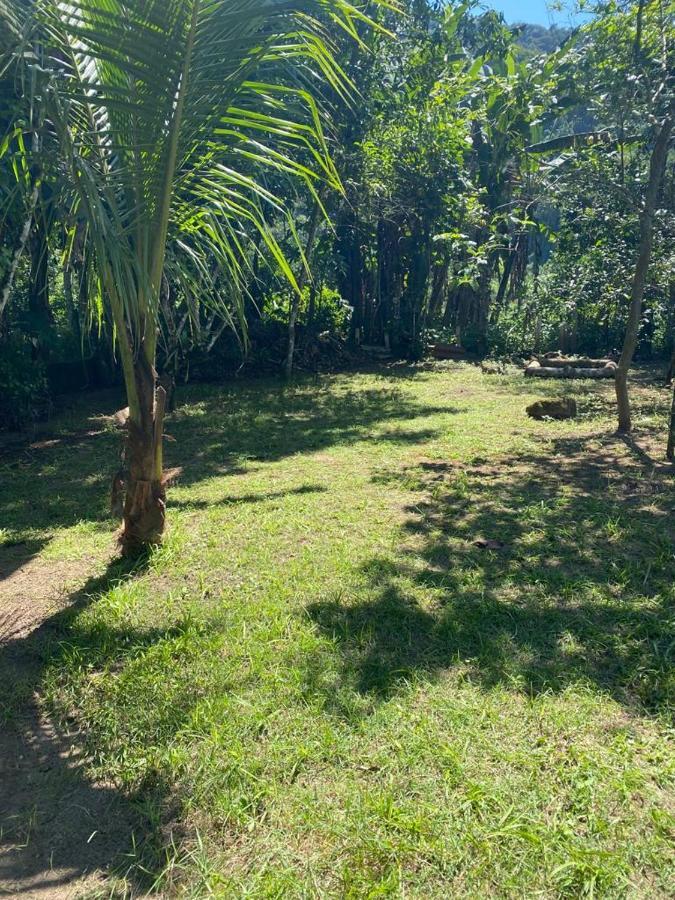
{"type": "Point", "coordinates": [483, 303]}
{"type": "Point", "coordinates": [439, 284]}
{"type": "Point", "coordinates": [145, 501]}
{"type": "Point", "coordinates": [657, 166]}
{"type": "Point", "coordinates": [506, 275]}
{"type": "Point", "coordinates": [314, 289]}
{"type": "Point", "coordinates": [348, 246]}
{"type": "Point", "coordinates": [670, 449]}
{"type": "Point", "coordinates": [424, 293]}
{"type": "Point", "coordinates": [302, 278]}
{"type": "Point", "coordinates": [19, 249]}
{"type": "Point", "coordinates": [71, 307]}
{"type": "Point", "coordinates": [450, 307]}
{"type": "Point", "coordinates": [38, 286]}
{"type": "Point", "coordinates": [670, 374]}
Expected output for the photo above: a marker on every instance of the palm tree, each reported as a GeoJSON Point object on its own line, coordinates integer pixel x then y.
{"type": "Point", "coordinates": [169, 114]}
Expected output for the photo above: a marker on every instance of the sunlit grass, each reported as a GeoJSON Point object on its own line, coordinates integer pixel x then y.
{"type": "Point", "coordinates": [319, 685]}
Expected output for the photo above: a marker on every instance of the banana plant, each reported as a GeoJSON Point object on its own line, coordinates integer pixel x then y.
{"type": "Point", "coordinates": [171, 118]}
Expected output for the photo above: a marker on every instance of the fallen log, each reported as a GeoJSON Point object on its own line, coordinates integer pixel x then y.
{"type": "Point", "coordinates": [582, 362]}
{"type": "Point", "coordinates": [571, 372]}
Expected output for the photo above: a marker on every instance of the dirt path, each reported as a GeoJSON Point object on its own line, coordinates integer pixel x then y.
{"type": "Point", "coordinates": [59, 832]}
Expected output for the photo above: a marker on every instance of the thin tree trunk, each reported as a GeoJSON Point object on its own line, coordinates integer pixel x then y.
{"type": "Point", "coordinates": [314, 289]}
{"type": "Point", "coordinates": [349, 274]}
{"type": "Point", "coordinates": [425, 292]}
{"type": "Point", "coordinates": [302, 278]}
{"type": "Point", "coordinates": [506, 274]}
{"type": "Point", "coordinates": [483, 303]}
{"type": "Point", "coordinates": [657, 165]}
{"type": "Point", "coordinates": [670, 374]}
{"type": "Point", "coordinates": [20, 247]}
{"type": "Point", "coordinates": [71, 308]}
{"type": "Point", "coordinates": [670, 450]}
{"type": "Point", "coordinates": [450, 306]}
{"type": "Point", "coordinates": [514, 272]}
{"type": "Point", "coordinates": [38, 286]}
{"type": "Point", "coordinates": [439, 283]}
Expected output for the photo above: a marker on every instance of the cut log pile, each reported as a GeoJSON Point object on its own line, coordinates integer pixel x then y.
{"type": "Point", "coordinates": [570, 367]}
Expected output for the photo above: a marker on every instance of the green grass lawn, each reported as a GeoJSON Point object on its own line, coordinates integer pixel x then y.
{"type": "Point", "coordinates": [320, 686]}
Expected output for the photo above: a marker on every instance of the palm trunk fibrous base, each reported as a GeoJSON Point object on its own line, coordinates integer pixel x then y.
{"type": "Point", "coordinates": [145, 501]}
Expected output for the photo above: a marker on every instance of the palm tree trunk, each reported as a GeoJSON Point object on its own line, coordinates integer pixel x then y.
{"type": "Point", "coordinates": [145, 501]}
{"type": "Point", "coordinates": [657, 166]}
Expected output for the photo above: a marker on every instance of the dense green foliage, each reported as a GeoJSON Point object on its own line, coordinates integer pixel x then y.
{"type": "Point", "coordinates": [446, 223]}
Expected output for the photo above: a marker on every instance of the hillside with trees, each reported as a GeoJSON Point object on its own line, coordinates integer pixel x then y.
{"type": "Point", "coordinates": [537, 39]}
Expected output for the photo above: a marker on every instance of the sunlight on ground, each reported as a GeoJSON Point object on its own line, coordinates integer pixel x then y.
{"type": "Point", "coordinates": [321, 685]}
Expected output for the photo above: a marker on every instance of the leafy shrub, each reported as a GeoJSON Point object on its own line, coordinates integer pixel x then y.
{"type": "Point", "coordinates": [331, 312]}
{"type": "Point", "coordinates": [24, 395]}
{"type": "Point", "coordinates": [268, 338]}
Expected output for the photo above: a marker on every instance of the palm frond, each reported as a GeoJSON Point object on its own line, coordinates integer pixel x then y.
{"type": "Point", "coordinates": [169, 111]}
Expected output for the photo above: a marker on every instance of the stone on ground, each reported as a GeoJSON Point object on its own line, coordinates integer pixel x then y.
{"type": "Point", "coordinates": [558, 408]}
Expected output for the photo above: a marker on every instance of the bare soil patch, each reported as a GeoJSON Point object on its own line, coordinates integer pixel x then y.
{"type": "Point", "coordinates": [60, 833]}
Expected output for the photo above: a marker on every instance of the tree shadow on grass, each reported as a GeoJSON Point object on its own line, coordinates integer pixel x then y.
{"type": "Point", "coordinates": [56, 483]}
{"type": "Point", "coordinates": [242, 499]}
{"type": "Point", "coordinates": [580, 589]}
{"type": "Point", "coordinates": [260, 422]}
{"type": "Point", "coordinates": [57, 486]}
{"type": "Point", "coordinates": [57, 826]}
